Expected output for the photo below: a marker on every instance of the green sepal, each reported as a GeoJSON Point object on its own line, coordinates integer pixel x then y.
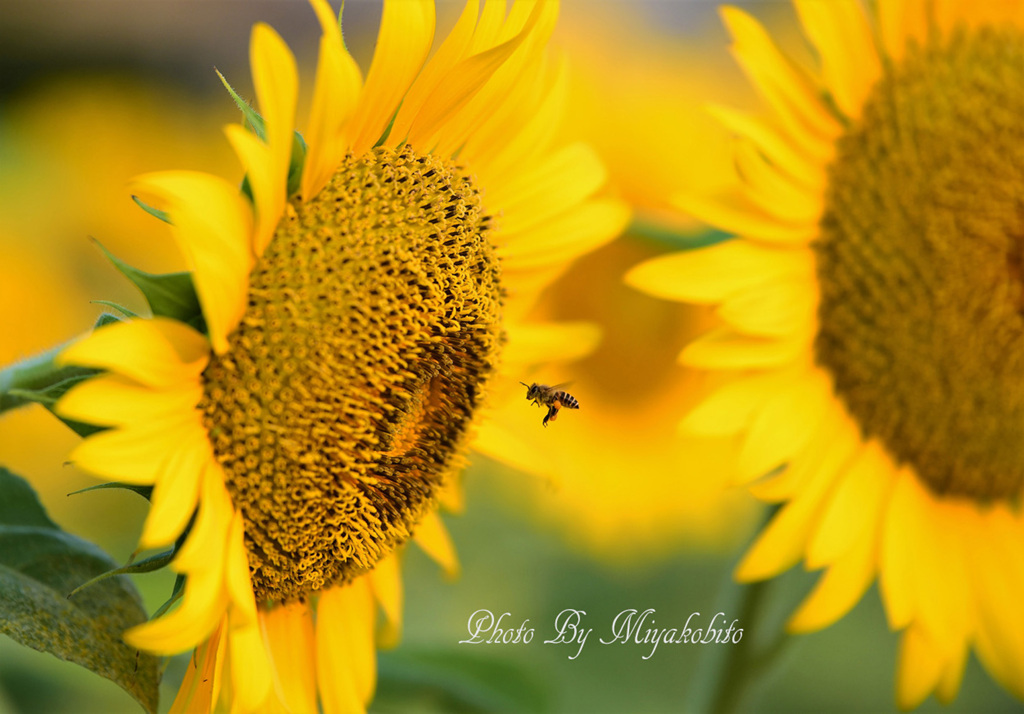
{"type": "Point", "coordinates": [254, 123]}
{"type": "Point", "coordinates": [49, 395]}
{"type": "Point", "coordinates": [145, 491]}
{"type": "Point", "coordinates": [156, 212]}
{"type": "Point", "coordinates": [120, 308]}
{"type": "Point", "coordinates": [176, 593]}
{"type": "Point", "coordinates": [170, 295]}
{"type": "Point", "coordinates": [104, 319]}
{"type": "Point", "coordinates": [146, 565]}
{"type": "Point", "coordinates": [39, 565]}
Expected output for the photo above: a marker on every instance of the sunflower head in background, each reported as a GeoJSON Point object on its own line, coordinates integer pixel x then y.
{"type": "Point", "coordinates": [873, 327]}
{"type": "Point", "coordinates": [618, 480]}
{"type": "Point", "coordinates": [356, 298]}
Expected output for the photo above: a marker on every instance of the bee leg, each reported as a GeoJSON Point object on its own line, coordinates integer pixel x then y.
{"type": "Point", "coordinates": [551, 415]}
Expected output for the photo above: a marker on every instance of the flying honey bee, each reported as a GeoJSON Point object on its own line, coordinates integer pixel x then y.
{"type": "Point", "coordinates": [554, 398]}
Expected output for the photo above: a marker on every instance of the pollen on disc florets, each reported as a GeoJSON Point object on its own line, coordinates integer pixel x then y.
{"type": "Point", "coordinates": [344, 399]}
{"type": "Point", "coordinates": [920, 264]}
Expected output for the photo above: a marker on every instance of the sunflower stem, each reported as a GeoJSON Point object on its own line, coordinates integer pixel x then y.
{"type": "Point", "coordinates": [726, 673]}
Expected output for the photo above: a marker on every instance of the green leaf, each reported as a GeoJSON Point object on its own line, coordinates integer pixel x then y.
{"type": "Point", "coordinates": [255, 122]}
{"type": "Point", "coordinates": [120, 308]}
{"type": "Point", "coordinates": [156, 212]}
{"type": "Point", "coordinates": [170, 295]}
{"type": "Point", "coordinates": [146, 565]}
{"type": "Point", "coordinates": [145, 491]}
{"type": "Point", "coordinates": [39, 565]}
{"type": "Point", "coordinates": [449, 681]}
{"type": "Point", "coordinates": [105, 319]}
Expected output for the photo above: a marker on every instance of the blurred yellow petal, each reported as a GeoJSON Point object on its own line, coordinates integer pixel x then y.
{"type": "Point", "coordinates": [386, 581]}
{"type": "Point", "coordinates": [563, 180]}
{"type": "Point", "coordinates": [345, 653]}
{"type": "Point", "coordinates": [199, 690]}
{"type": "Point", "coordinates": [250, 666]}
{"type": "Point", "coordinates": [530, 343]}
{"type": "Point", "coordinates": [901, 22]}
{"type": "Point", "coordinates": [289, 635]}
{"type": "Point", "coordinates": [566, 236]}
{"type": "Point", "coordinates": [920, 667]}
{"type": "Point", "coordinates": [773, 309]}
{"type": "Point", "coordinates": [433, 538]}
{"type": "Point", "coordinates": [236, 576]}
{"type": "Point", "coordinates": [747, 222]}
{"type": "Point", "coordinates": [781, 543]}
{"type": "Point", "coordinates": [840, 33]}
{"type": "Point", "coordinates": [712, 274]}
{"type": "Point", "coordinates": [724, 348]}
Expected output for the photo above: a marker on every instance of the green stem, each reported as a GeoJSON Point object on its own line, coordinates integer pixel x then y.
{"type": "Point", "coordinates": [725, 673]}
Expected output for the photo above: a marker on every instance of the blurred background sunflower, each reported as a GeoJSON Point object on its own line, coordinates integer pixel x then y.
{"type": "Point", "coordinates": [621, 512]}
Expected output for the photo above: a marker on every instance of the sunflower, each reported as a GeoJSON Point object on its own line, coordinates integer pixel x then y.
{"type": "Point", "coordinates": [356, 297]}
{"type": "Point", "coordinates": [873, 329]}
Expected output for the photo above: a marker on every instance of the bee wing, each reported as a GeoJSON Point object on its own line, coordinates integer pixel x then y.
{"type": "Point", "coordinates": [561, 386]}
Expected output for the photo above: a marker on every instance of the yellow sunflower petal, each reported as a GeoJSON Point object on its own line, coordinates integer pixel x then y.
{"type": "Point", "coordinates": [112, 400]}
{"type": "Point", "coordinates": [335, 93]}
{"type": "Point", "coordinates": [774, 309]}
{"type": "Point", "coordinates": [202, 607]}
{"type": "Point", "coordinates": [156, 353]}
{"type": "Point", "coordinates": [781, 544]}
{"type": "Point", "coordinates": [920, 667]}
{"type": "Point", "coordinates": [276, 80]}
{"type": "Point", "coordinates": [773, 192]}
{"type": "Point", "coordinates": [537, 194]}
{"type": "Point", "coordinates": [855, 509]}
{"type": "Point", "coordinates": [212, 224]}
{"type": "Point", "coordinates": [199, 689]}
{"type": "Point", "coordinates": [724, 348]}
{"type": "Point", "coordinates": [533, 343]}
{"type": "Point", "coordinates": [236, 575]}
{"type": "Point", "coordinates": [345, 653]}
{"type": "Point", "coordinates": [807, 171]}
{"type": "Point", "coordinates": [386, 581]}
{"type": "Point", "coordinates": [900, 22]}
{"type": "Point", "coordinates": [206, 546]}
{"type": "Point", "coordinates": [951, 677]}
{"type": "Point", "coordinates": [462, 83]}
{"type": "Point", "coordinates": [712, 274]}
{"type": "Point", "coordinates": [289, 635]}
{"type": "Point", "coordinates": [739, 219]}
{"type": "Point", "coordinates": [520, 140]}
{"type": "Point", "coordinates": [250, 666]}
{"type": "Point", "coordinates": [433, 538]}
{"type": "Point", "coordinates": [135, 454]}
{"type": "Point", "coordinates": [839, 588]}
{"type": "Point", "coordinates": [850, 64]}
{"type": "Point", "coordinates": [896, 566]}
{"type": "Point", "coordinates": [454, 48]}
{"type": "Point", "coordinates": [406, 33]}
{"type": "Point", "coordinates": [565, 237]}
{"type": "Point", "coordinates": [729, 409]}
{"type": "Point", "coordinates": [782, 427]}
{"type": "Point", "coordinates": [491, 105]}
{"type": "Point", "coordinates": [783, 85]}
{"type": "Point", "coordinates": [176, 493]}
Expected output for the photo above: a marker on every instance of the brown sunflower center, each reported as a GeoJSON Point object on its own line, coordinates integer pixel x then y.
{"type": "Point", "coordinates": [342, 404]}
{"type": "Point", "coordinates": [920, 260]}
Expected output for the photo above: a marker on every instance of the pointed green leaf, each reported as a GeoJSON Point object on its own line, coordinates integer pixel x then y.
{"type": "Point", "coordinates": [297, 163]}
{"type": "Point", "coordinates": [162, 215]}
{"type": "Point", "coordinates": [105, 319]}
{"type": "Point", "coordinates": [39, 565]}
{"type": "Point", "coordinates": [252, 118]}
{"type": "Point", "coordinates": [120, 308]}
{"type": "Point", "coordinates": [170, 295]}
{"type": "Point", "coordinates": [176, 593]}
{"type": "Point", "coordinates": [146, 565]}
{"type": "Point", "coordinates": [145, 491]}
